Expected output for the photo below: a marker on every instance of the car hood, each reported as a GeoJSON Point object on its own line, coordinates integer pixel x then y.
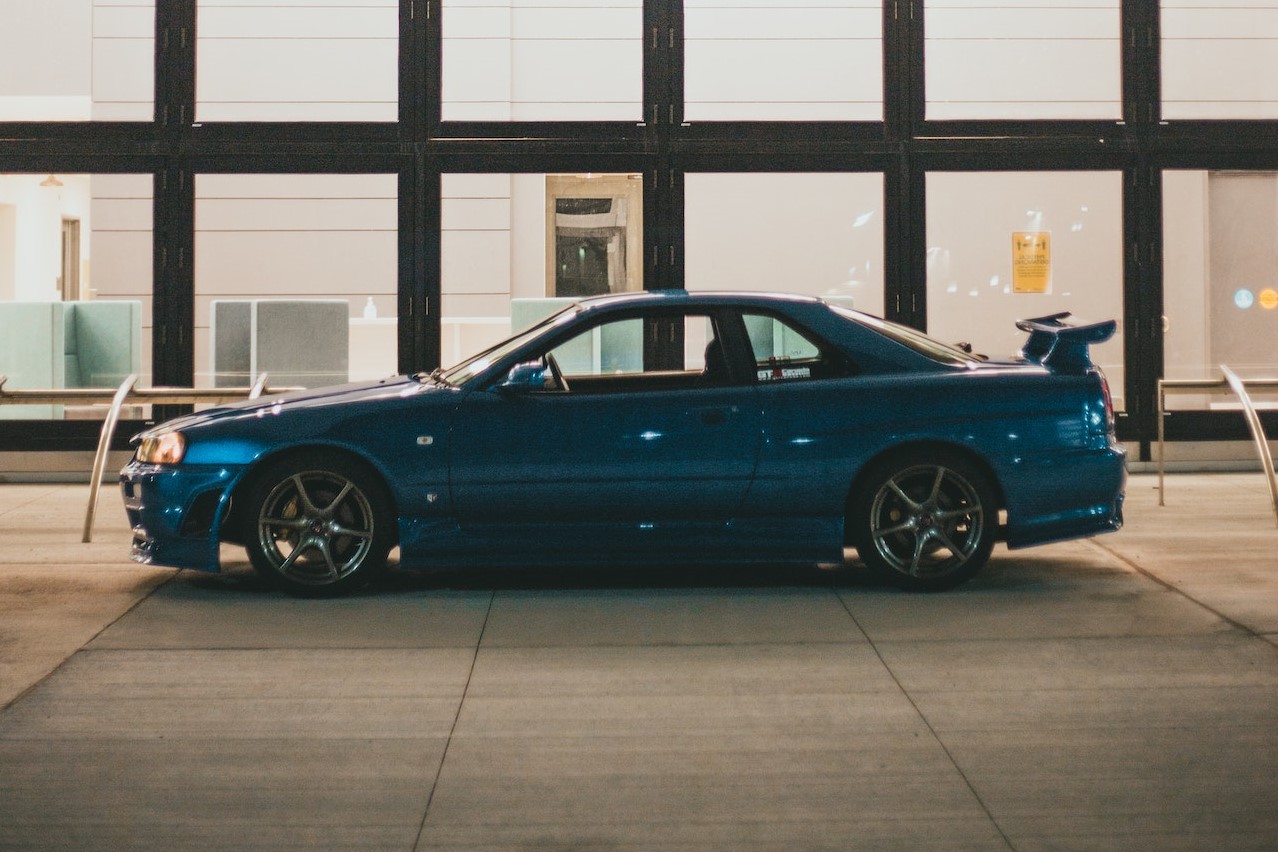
{"type": "Point", "coordinates": [355, 394]}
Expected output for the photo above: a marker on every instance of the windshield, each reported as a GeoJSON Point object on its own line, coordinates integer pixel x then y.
{"type": "Point", "coordinates": [906, 336]}
{"type": "Point", "coordinates": [476, 364]}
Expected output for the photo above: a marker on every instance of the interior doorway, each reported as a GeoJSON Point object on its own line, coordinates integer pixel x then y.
{"type": "Point", "coordinates": [69, 280]}
{"type": "Point", "coordinates": [594, 234]}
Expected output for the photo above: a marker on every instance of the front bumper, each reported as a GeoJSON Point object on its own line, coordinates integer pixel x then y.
{"type": "Point", "coordinates": [176, 512]}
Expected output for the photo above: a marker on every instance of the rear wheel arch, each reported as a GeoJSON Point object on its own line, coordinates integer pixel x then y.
{"type": "Point", "coordinates": [924, 515]}
{"type": "Point", "coordinates": [918, 449]}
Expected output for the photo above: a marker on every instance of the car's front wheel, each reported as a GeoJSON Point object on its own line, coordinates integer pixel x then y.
{"type": "Point", "coordinates": [319, 526]}
{"type": "Point", "coordinates": [926, 522]}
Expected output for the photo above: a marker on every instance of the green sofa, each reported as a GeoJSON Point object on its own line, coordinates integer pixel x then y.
{"type": "Point", "coordinates": [94, 344]}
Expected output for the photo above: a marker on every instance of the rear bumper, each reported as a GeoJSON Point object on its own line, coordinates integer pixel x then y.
{"type": "Point", "coordinates": [1083, 498]}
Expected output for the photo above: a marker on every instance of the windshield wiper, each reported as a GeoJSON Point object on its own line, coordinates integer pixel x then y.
{"type": "Point", "coordinates": [436, 375]}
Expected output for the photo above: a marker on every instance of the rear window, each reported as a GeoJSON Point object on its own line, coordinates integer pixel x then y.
{"type": "Point", "coordinates": [906, 336]}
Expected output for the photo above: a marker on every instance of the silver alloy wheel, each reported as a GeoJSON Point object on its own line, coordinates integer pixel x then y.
{"type": "Point", "coordinates": [316, 528]}
{"type": "Point", "coordinates": [926, 521]}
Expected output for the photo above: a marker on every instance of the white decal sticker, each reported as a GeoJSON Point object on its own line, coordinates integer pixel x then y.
{"type": "Point", "coordinates": [781, 373]}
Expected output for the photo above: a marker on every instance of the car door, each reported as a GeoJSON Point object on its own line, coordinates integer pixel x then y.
{"type": "Point", "coordinates": [641, 440]}
{"type": "Point", "coordinates": [817, 410]}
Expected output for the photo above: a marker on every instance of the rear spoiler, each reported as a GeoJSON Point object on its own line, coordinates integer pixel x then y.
{"type": "Point", "coordinates": [1059, 346]}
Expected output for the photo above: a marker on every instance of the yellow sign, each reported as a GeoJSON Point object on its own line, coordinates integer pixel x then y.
{"type": "Point", "coordinates": [1032, 262]}
{"type": "Point", "coordinates": [1268, 299]}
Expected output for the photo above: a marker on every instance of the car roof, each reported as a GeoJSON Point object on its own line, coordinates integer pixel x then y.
{"type": "Point", "coordinates": [696, 297]}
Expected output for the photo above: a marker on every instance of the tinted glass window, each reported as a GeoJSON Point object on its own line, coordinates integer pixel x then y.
{"type": "Point", "coordinates": [784, 353]}
{"type": "Point", "coordinates": [664, 352]}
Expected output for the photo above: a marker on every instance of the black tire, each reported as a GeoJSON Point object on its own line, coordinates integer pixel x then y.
{"type": "Point", "coordinates": [318, 526]}
{"type": "Point", "coordinates": [925, 521]}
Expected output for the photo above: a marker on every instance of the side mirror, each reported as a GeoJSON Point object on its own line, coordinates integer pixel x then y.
{"type": "Point", "coordinates": [524, 378]}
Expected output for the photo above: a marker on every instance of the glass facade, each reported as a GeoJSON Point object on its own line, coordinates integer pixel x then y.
{"type": "Point", "coordinates": [823, 232]}
{"type": "Point", "coordinates": [428, 176]}
{"type": "Point", "coordinates": [75, 285]}
{"type": "Point", "coordinates": [1019, 59]}
{"type": "Point", "coordinates": [283, 61]}
{"type": "Point", "coordinates": [516, 247]}
{"type": "Point", "coordinates": [1035, 244]}
{"type": "Point", "coordinates": [1219, 61]}
{"type": "Point", "coordinates": [831, 51]}
{"type": "Point", "coordinates": [77, 60]}
{"type": "Point", "coordinates": [295, 277]}
{"type": "Point", "coordinates": [1220, 299]}
{"type": "Point", "coordinates": [542, 61]}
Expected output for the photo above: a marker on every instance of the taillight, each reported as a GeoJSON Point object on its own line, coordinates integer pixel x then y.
{"type": "Point", "coordinates": [1109, 400]}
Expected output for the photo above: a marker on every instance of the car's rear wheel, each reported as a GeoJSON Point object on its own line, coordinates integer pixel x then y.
{"type": "Point", "coordinates": [925, 521]}
{"type": "Point", "coordinates": [319, 526]}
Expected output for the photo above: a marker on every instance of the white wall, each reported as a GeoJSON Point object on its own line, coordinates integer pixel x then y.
{"type": "Point", "coordinates": [820, 234]}
{"type": "Point", "coordinates": [297, 236]}
{"type": "Point", "coordinates": [122, 254]}
{"type": "Point", "coordinates": [76, 60]}
{"type": "Point", "coordinates": [46, 60]}
{"type": "Point", "coordinates": [540, 60]}
{"type": "Point", "coordinates": [37, 231]}
{"type": "Point", "coordinates": [1049, 59]}
{"type": "Point", "coordinates": [8, 237]}
{"type": "Point", "coordinates": [1186, 257]}
{"type": "Point", "coordinates": [830, 52]}
{"type": "Point", "coordinates": [494, 249]}
{"type": "Point", "coordinates": [1219, 60]}
{"type": "Point", "coordinates": [1242, 231]}
{"type": "Point", "coordinates": [970, 221]}
{"type": "Point", "coordinates": [295, 61]}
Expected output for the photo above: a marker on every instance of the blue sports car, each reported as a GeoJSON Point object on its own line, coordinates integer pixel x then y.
{"type": "Point", "coordinates": [715, 427]}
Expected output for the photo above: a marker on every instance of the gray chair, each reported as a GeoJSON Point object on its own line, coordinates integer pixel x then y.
{"type": "Point", "coordinates": [298, 342]}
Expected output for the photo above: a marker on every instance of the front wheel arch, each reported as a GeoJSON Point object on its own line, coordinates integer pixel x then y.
{"type": "Point", "coordinates": [233, 526]}
{"type": "Point", "coordinates": [370, 508]}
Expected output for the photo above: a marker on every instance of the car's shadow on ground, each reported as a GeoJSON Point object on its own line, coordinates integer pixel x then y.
{"type": "Point", "coordinates": [240, 578]}
{"type": "Point", "coordinates": [1005, 573]}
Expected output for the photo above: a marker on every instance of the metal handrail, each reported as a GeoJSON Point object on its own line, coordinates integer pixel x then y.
{"type": "Point", "coordinates": [126, 392]}
{"type": "Point", "coordinates": [1230, 383]}
{"type": "Point", "coordinates": [100, 457]}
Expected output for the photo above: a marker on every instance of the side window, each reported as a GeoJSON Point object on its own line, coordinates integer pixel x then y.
{"type": "Point", "coordinates": [782, 353]}
{"type": "Point", "coordinates": [610, 349]}
{"type": "Point", "coordinates": [642, 353]}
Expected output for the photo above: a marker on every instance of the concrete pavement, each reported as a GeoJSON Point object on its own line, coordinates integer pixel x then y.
{"type": "Point", "coordinates": [1118, 693]}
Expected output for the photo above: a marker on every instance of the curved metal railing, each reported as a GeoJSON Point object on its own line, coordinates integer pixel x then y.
{"type": "Point", "coordinates": [127, 392]}
{"type": "Point", "coordinates": [1229, 383]}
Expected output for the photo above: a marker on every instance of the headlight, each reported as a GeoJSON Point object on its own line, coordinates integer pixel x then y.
{"type": "Point", "coordinates": [164, 448]}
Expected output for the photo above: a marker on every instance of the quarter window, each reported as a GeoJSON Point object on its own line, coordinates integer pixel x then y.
{"type": "Point", "coordinates": [782, 353]}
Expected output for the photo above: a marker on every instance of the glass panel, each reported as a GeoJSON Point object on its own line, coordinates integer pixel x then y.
{"type": "Point", "coordinates": [297, 60]}
{"type": "Point", "coordinates": [507, 239]}
{"type": "Point", "coordinates": [1220, 60]}
{"type": "Point", "coordinates": [1014, 245]}
{"type": "Point", "coordinates": [771, 340]}
{"type": "Point", "coordinates": [1023, 59]}
{"type": "Point", "coordinates": [78, 60]}
{"type": "Point", "coordinates": [75, 286]}
{"type": "Point", "coordinates": [614, 348]}
{"type": "Point", "coordinates": [830, 53]}
{"type": "Point", "coordinates": [820, 234]}
{"type": "Point", "coordinates": [536, 60]}
{"type": "Point", "coordinates": [1220, 294]}
{"type": "Point", "coordinates": [296, 276]}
